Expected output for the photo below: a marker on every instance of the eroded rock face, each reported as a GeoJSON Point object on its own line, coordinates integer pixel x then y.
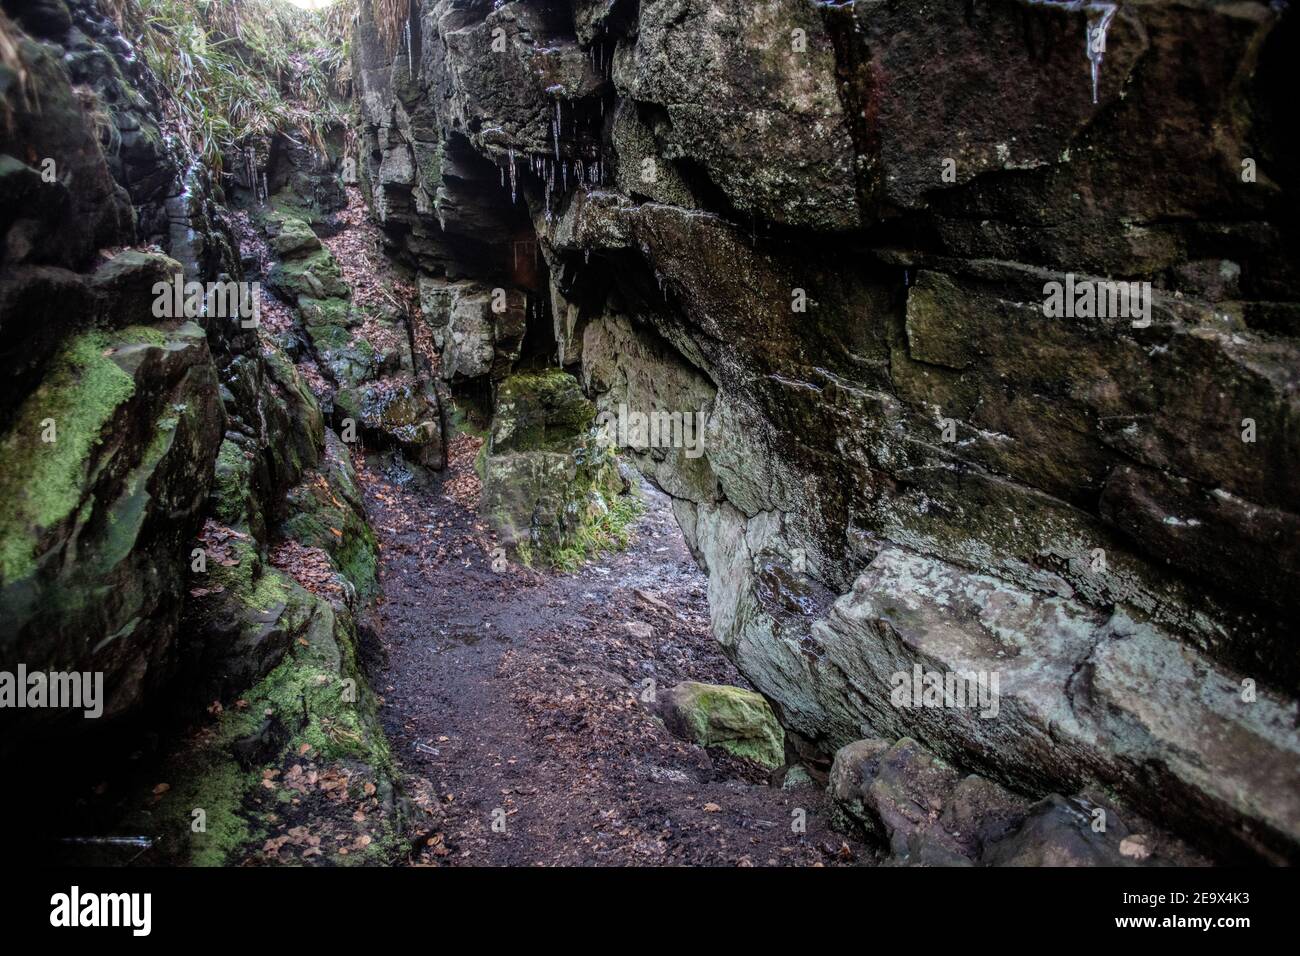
{"type": "Point", "coordinates": [106, 471]}
{"type": "Point", "coordinates": [829, 231]}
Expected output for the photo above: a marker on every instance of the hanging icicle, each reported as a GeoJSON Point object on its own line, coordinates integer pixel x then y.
{"type": "Point", "coordinates": [1098, 27]}
{"type": "Point", "coordinates": [1099, 16]}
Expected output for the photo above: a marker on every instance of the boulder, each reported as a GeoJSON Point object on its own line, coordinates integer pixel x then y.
{"type": "Point", "coordinates": [549, 487]}
{"type": "Point", "coordinates": [289, 237]}
{"type": "Point", "coordinates": [403, 413]}
{"type": "Point", "coordinates": [472, 337]}
{"type": "Point", "coordinates": [717, 715]}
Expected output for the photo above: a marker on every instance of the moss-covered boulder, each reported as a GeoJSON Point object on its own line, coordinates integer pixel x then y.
{"type": "Point", "coordinates": [718, 715]}
{"type": "Point", "coordinates": [103, 475]}
{"type": "Point", "coordinates": [348, 359]}
{"type": "Point", "coordinates": [540, 411]}
{"type": "Point", "coordinates": [315, 275]}
{"type": "Point", "coordinates": [550, 487]}
{"type": "Point", "coordinates": [289, 237]}
{"type": "Point", "coordinates": [316, 313]}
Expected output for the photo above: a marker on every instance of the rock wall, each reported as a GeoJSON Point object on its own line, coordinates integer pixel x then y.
{"type": "Point", "coordinates": [113, 414]}
{"type": "Point", "coordinates": [157, 468]}
{"type": "Point", "coordinates": [831, 230]}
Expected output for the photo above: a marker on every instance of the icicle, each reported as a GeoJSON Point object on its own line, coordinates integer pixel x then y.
{"type": "Point", "coordinates": [586, 255]}
{"type": "Point", "coordinates": [513, 189]}
{"type": "Point", "coordinates": [266, 190]}
{"type": "Point", "coordinates": [410, 67]}
{"type": "Point", "coordinates": [1096, 34]}
{"type": "Point", "coordinates": [1099, 16]}
{"type": "Point", "coordinates": [564, 171]}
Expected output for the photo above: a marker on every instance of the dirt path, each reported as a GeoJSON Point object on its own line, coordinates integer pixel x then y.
{"type": "Point", "coordinates": [514, 696]}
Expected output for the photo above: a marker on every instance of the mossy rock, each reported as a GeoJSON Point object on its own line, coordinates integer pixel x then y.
{"type": "Point", "coordinates": [311, 706]}
{"type": "Point", "coordinates": [559, 506]}
{"type": "Point", "coordinates": [719, 715]}
{"type": "Point", "coordinates": [404, 414]}
{"type": "Point", "coordinates": [549, 487]}
{"type": "Point", "coordinates": [125, 284]}
{"type": "Point", "coordinates": [104, 472]}
{"type": "Point", "coordinates": [290, 237]}
{"type": "Point", "coordinates": [540, 411]}
{"type": "Point", "coordinates": [234, 501]}
{"type": "Point", "coordinates": [350, 359]}
{"type": "Point", "coordinates": [327, 511]}
{"type": "Point", "coordinates": [330, 311]}
{"type": "Point", "coordinates": [314, 276]}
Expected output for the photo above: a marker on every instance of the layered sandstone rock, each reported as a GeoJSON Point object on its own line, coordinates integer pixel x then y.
{"type": "Point", "coordinates": [830, 229]}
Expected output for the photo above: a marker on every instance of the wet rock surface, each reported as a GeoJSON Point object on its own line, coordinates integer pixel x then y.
{"type": "Point", "coordinates": [793, 263]}
{"type": "Point", "coordinates": [829, 233]}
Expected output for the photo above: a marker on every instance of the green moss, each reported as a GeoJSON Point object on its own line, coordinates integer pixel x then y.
{"type": "Point", "coordinates": [232, 482]}
{"type": "Point", "coordinates": [318, 509]}
{"type": "Point", "coordinates": [255, 585]}
{"type": "Point", "coordinates": [737, 720]}
{"type": "Point", "coordinates": [331, 311]}
{"type": "Point", "coordinates": [316, 696]}
{"type": "Point", "coordinates": [219, 793]}
{"type": "Point", "coordinates": [41, 483]}
{"type": "Point", "coordinates": [537, 411]}
{"type": "Point", "coordinates": [461, 423]}
{"type": "Point", "coordinates": [315, 276]}
{"type": "Point", "coordinates": [140, 335]}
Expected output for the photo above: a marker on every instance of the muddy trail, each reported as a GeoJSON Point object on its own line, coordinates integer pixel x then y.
{"type": "Point", "coordinates": [517, 700]}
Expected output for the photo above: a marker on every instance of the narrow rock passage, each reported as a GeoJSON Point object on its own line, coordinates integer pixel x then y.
{"type": "Point", "coordinates": [515, 696]}
{"type": "Point", "coordinates": [523, 696]}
